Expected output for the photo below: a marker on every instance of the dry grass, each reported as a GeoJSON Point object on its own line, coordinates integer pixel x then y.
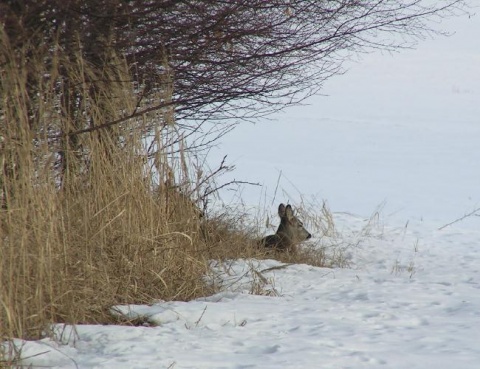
{"type": "Point", "coordinates": [99, 219]}
{"type": "Point", "coordinates": [69, 255]}
{"type": "Point", "coordinates": [92, 220]}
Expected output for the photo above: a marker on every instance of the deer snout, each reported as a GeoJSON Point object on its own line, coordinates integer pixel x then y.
{"type": "Point", "coordinates": [309, 236]}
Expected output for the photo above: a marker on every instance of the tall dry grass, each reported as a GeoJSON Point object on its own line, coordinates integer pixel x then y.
{"type": "Point", "coordinates": [92, 220]}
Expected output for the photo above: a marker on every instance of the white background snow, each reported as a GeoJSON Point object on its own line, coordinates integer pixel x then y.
{"type": "Point", "coordinates": [403, 130]}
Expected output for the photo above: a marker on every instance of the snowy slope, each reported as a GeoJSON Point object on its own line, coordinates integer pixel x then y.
{"type": "Point", "coordinates": [403, 129]}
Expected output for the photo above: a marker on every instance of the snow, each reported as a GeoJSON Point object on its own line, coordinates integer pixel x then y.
{"type": "Point", "coordinates": [400, 130]}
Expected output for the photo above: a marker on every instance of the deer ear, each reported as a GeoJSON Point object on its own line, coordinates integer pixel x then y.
{"type": "Point", "coordinates": [289, 212]}
{"type": "Point", "coordinates": [281, 210]}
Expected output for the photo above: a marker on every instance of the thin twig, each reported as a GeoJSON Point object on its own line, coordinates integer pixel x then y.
{"type": "Point", "coordinates": [276, 187]}
{"type": "Point", "coordinates": [472, 213]}
{"type": "Point", "coordinates": [201, 316]}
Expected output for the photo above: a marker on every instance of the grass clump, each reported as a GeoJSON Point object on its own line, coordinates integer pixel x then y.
{"type": "Point", "coordinates": [94, 219]}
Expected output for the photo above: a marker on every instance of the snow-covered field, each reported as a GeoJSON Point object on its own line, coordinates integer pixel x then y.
{"type": "Point", "coordinates": [401, 129]}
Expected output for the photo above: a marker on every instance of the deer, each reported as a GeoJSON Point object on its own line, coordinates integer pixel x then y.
{"type": "Point", "coordinates": [289, 234]}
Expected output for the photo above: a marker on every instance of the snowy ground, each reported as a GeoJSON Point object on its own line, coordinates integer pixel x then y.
{"type": "Point", "coordinates": [402, 129]}
{"type": "Point", "coordinates": [408, 301]}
